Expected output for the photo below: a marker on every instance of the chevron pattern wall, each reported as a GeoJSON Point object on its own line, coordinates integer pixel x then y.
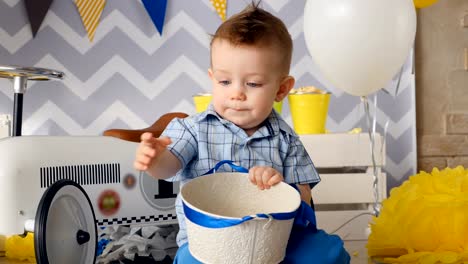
{"type": "Point", "coordinates": [130, 75]}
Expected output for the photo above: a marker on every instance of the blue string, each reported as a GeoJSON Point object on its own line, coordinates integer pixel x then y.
{"type": "Point", "coordinates": [230, 163]}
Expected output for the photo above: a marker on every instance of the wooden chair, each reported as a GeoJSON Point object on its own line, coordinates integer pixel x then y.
{"type": "Point", "coordinates": [134, 134]}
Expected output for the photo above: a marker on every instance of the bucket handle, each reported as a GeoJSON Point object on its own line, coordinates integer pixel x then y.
{"type": "Point", "coordinates": [230, 163]}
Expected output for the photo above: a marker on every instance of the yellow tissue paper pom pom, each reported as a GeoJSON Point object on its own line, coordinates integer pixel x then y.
{"type": "Point", "coordinates": [20, 248]}
{"type": "Point", "coordinates": [425, 220]}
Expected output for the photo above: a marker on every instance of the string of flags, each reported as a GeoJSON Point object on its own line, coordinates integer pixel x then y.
{"type": "Point", "coordinates": [37, 10]}
{"type": "Point", "coordinates": [157, 11]}
{"type": "Point", "coordinates": [220, 7]}
{"type": "Point", "coordinates": [90, 12]}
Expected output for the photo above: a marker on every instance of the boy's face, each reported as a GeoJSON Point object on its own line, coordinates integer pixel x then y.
{"type": "Point", "coordinates": [246, 82]}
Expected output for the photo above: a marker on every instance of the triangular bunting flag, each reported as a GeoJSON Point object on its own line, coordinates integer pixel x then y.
{"type": "Point", "coordinates": [157, 11]}
{"type": "Point", "coordinates": [37, 10]}
{"type": "Point", "coordinates": [90, 12]}
{"type": "Point", "coordinates": [220, 7]}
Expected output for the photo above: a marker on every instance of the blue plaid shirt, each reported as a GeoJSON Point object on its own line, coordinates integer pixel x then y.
{"type": "Point", "coordinates": [202, 140]}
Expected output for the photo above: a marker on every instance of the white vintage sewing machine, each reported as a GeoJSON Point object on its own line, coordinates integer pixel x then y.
{"type": "Point", "coordinates": [103, 166]}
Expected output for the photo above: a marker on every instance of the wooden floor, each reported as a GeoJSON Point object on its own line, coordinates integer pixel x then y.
{"type": "Point", "coordinates": [356, 249]}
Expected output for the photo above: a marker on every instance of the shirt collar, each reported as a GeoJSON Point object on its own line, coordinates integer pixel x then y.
{"type": "Point", "coordinates": [278, 123]}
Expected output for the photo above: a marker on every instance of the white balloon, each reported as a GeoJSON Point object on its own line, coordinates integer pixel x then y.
{"type": "Point", "coordinates": [359, 45]}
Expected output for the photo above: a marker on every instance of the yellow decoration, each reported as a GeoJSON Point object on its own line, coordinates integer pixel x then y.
{"type": "Point", "coordinates": [220, 7]}
{"type": "Point", "coordinates": [278, 106]}
{"type": "Point", "coordinates": [20, 248]}
{"type": "Point", "coordinates": [202, 101]}
{"type": "Point", "coordinates": [425, 220]}
{"type": "Point", "coordinates": [309, 110]}
{"type": "Point", "coordinates": [423, 3]}
{"type": "Point", "coordinates": [90, 12]}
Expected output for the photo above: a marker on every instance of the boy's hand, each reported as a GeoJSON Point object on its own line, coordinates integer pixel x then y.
{"type": "Point", "coordinates": [149, 150]}
{"type": "Point", "coordinates": [264, 177]}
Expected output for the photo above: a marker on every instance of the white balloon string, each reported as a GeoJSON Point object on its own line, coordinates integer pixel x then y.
{"type": "Point", "coordinates": [384, 139]}
{"type": "Point", "coordinates": [374, 165]}
{"type": "Point", "coordinates": [371, 131]}
{"type": "Point", "coordinates": [399, 81]}
{"type": "Point", "coordinates": [374, 119]}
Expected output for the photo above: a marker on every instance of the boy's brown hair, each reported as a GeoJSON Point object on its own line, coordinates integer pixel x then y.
{"type": "Point", "coordinates": [254, 26]}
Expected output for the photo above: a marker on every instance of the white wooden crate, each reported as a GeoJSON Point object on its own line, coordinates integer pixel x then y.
{"type": "Point", "coordinates": [346, 189]}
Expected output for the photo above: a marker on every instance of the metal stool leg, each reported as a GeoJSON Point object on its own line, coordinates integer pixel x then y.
{"type": "Point", "coordinates": [20, 77]}
{"type": "Point", "coordinates": [19, 85]}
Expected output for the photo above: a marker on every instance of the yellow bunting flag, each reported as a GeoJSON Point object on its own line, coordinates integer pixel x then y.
{"type": "Point", "coordinates": [90, 12]}
{"type": "Point", "coordinates": [220, 7]}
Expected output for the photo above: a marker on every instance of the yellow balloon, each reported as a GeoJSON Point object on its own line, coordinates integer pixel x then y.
{"type": "Point", "coordinates": [423, 3]}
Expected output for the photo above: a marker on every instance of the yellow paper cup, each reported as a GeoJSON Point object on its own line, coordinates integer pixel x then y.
{"type": "Point", "coordinates": [201, 102]}
{"type": "Point", "coordinates": [309, 112]}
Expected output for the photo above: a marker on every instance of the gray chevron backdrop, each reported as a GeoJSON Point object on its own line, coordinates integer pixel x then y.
{"type": "Point", "coordinates": [130, 75]}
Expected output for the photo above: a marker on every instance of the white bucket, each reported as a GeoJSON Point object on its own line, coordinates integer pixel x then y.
{"type": "Point", "coordinates": [222, 199]}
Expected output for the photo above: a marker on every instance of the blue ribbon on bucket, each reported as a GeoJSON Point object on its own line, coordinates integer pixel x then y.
{"type": "Point", "coordinates": [218, 222]}
{"type": "Point", "coordinates": [230, 163]}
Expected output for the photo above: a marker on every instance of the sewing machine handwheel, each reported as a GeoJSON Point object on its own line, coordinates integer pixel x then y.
{"type": "Point", "coordinates": [65, 229]}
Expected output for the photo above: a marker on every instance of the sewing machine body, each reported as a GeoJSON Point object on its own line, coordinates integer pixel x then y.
{"type": "Point", "coordinates": [102, 165]}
